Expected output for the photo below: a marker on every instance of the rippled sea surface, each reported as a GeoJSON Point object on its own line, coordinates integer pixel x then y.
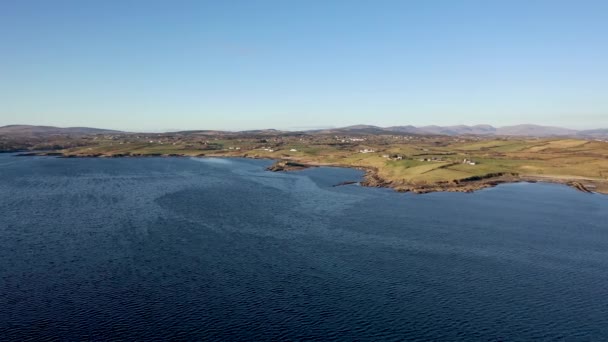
{"type": "Point", "coordinates": [219, 249]}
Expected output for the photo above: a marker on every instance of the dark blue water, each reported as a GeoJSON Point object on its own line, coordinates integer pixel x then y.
{"type": "Point", "coordinates": [216, 249]}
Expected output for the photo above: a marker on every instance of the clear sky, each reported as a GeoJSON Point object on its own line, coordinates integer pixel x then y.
{"type": "Point", "coordinates": [291, 64]}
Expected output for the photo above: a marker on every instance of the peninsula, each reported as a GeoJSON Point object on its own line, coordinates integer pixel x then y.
{"type": "Point", "coordinates": [405, 161]}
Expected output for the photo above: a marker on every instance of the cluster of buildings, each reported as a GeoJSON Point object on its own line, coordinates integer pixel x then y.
{"type": "Point", "coordinates": [393, 157]}
{"type": "Point", "coordinates": [431, 159]}
{"type": "Point", "coordinates": [348, 139]}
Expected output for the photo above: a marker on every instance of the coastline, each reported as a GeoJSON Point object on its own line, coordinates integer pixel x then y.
{"type": "Point", "coordinates": [371, 177]}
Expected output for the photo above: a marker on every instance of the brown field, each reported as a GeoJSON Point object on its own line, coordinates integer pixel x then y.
{"type": "Point", "coordinates": [425, 163]}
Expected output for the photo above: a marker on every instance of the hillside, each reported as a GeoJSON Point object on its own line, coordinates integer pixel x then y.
{"type": "Point", "coordinates": [524, 130]}
{"type": "Point", "coordinates": [30, 130]}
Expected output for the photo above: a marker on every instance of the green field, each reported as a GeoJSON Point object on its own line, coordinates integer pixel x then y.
{"type": "Point", "coordinates": [442, 160]}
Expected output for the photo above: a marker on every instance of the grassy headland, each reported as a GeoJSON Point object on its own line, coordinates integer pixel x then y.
{"type": "Point", "coordinates": [401, 162]}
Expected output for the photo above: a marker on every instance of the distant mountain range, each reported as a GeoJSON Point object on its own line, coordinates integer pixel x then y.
{"type": "Point", "coordinates": [29, 130]}
{"type": "Point", "coordinates": [517, 130]}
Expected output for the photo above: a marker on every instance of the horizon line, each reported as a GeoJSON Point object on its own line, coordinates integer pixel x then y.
{"type": "Point", "coordinates": [299, 128]}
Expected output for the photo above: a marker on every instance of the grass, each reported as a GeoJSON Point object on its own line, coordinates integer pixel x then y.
{"type": "Point", "coordinates": [527, 157]}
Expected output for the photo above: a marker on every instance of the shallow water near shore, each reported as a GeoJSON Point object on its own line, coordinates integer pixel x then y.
{"type": "Point", "coordinates": [219, 249]}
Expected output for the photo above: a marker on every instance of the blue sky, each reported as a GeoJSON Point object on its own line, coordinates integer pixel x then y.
{"type": "Point", "coordinates": [156, 65]}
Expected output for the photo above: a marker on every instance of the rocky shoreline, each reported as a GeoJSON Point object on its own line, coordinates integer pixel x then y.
{"type": "Point", "coordinates": [284, 165]}
{"type": "Point", "coordinates": [469, 185]}
{"type": "Point", "coordinates": [371, 177]}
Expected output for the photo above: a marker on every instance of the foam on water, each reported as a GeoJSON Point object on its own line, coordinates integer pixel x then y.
{"type": "Point", "coordinates": [214, 161]}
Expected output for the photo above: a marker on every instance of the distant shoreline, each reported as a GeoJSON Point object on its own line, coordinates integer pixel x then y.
{"type": "Point", "coordinates": [371, 177]}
